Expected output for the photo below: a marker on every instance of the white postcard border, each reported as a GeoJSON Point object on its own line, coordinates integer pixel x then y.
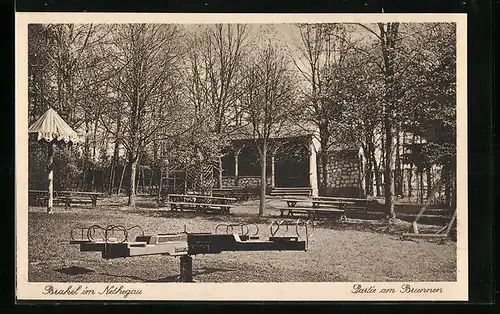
{"type": "Point", "coordinates": [451, 291]}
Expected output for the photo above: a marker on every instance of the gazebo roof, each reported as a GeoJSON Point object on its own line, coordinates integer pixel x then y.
{"type": "Point", "coordinates": [51, 127]}
{"type": "Point", "coordinates": [287, 130]}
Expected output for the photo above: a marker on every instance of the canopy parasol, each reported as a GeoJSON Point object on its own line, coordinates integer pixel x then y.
{"type": "Point", "coordinates": [51, 128]}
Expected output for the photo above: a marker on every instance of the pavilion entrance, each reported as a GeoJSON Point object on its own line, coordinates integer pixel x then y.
{"type": "Point", "coordinates": [291, 164]}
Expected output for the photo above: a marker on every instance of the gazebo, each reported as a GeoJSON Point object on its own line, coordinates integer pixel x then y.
{"type": "Point", "coordinates": [51, 129]}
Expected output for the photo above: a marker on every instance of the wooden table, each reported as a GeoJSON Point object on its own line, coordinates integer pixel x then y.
{"type": "Point", "coordinates": [317, 202]}
{"type": "Point", "coordinates": [69, 197]}
{"type": "Point", "coordinates": [350, 203]}
{"type": "Point", "coordinates": [225, 200]}
{"type": "Point", "coordinates": [323, 205]}
{"type": "Point", "coordinates": [237, 192]}
{"type": "Point", "coordinates": [200, 203]}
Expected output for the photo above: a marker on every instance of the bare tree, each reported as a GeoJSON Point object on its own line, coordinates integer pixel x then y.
{"type": "Point", "coordinates": [67, 66]}
{"type": "Point", "coordinates": [267, 103]}
{"type": "Point", "coordinates": [324, 51]}
{"type": "Point", "coordinates": [400, 50]}
{"type": "Point", "coordinates": [215, 62]}
{"type": "Point", "coordinates": [146, 88]}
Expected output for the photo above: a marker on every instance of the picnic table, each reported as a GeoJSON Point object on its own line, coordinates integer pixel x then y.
{"type": "Point", "coordinates": [232, 191]}
{"type": "Point", "coordinates": [321, 205]}
{"type": "Point", "coordinates": [312, 208]}
{"type": "Point", "coordinates": [67, 197]}
{"type": "Point", "coordinates": [200, 203]}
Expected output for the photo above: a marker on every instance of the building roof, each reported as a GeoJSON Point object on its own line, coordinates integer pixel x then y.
{"type": "Point", "coordinates": [287, 130]}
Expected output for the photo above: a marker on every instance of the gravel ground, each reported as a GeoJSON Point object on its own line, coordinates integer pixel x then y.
{"type": "Point", "coordinates": [356, 250]}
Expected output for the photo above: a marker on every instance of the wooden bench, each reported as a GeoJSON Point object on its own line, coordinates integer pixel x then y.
{"type": "Point", "coordinates": [195, 197]}
{"type": "Point", "coordinates": [312, 212]}
{"type": "Point", "coordinates": [201, 203]}
{"type": "Point", "coordinates": [347, 203]}
{"type": "Point", "coordinates": [199, 207]}
{"type": "Point", "coordinates": [289, 211]}
{"type": "Point", "coordinates": [67, 198]}
{"type": "Point", "coordinates": [291, 202]}
{"type": "Point", "coordinates": [235, 191]}
{"type": "Point", "coordinates": [76, 197]}
{"type": "Point", "coordinates": [37, 197]}
{"type": "Point", "coordinates": [336, 212]}
{"type": "Point", "coordinates": [316, 202]}
{"type": "Point", "coordinates": [322, 206]}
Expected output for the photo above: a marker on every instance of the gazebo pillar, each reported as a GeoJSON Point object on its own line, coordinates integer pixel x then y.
{"type": "Point", "coordinates": [313, 168]}
{"type": "Point", "coordinates": [220, 171]}
{"type": "Point", "coordinates": [273, 179]}
{"type": "Point", "coordinates": [236, 181]}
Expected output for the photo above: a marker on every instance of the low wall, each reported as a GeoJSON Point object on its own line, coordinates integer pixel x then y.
{"type": "Point", "coordinates": [341, 192]}
{"type": "Point", "coordinates": [244, 181]}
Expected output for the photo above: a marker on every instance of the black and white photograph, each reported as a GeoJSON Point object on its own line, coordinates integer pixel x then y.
{"type": "Point", "coordinates": [190, 152]}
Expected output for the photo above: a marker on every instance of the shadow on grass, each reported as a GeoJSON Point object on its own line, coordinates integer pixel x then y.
{"type": "Point", "coordinates": [74, 270]}
{"type": "Point", "coordinates": [146, 204]}
{"type": "Point", "coordinates": [217, 217]}
{"type": "Point", "coordinates": [358, 222]}
{"type": "Point", "coordinates": [203, 271]}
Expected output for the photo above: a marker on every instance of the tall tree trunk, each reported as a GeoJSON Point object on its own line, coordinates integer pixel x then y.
{"type": "Point", "coordinates": [112, 176]}
{"type": "Point", "coordinates": [121, 180]}
{"type": "Point", "coordinates": [143, 180]}
{"type": "Point", "coordinates": [382, 158]}
{"type": "Point", "coordinates": [92, 185]}
{"type": "Point", "coordinates": [398, 178]}
{"type": "Point", "coordinates": [376, 170]}
{"type": "Point", "coordinates": [263, 182]}
{"type": "Point", "coordinates": [220, 171]}
{"type": "Point", "coordinates": [138, 178]}
{"type": "Point", "coordinates": [324, 171]}
{"type": "Point", "coordinates": [421, 185]}
{"type": "Point", "coordinates": [368, 170]}
{"type": "Point", "coordinates": [447, 183]}
{"type": "Point", "coordinates": [389, 169]}
{"type": "Point", "coordinates": [150, 185]}
{"type": "Point", "coordinates": [133, 171]}
{"type": "Point", "coordinates": [410, 181]}
{"type": "Point", "coordinates": [160, 184]}
{"type": "Point", "coordinates": [168, 173]}
{"type": "Point", "coordinates": [410, 176]}
{"type": "Point", "coordinates": [388, 37]}
{"type": "Point", "coordinates": [116, 151]}
{"type": "Point", "coordinates": [429, 182]}
{"type": "Point", "coordinates": [453, 187]}
{"type": "Point", "coordinates": [86, 152]}
{"type": "Point", "coordinates": [94, 139]}
{"type": "Point", "coordinates": [372, 164]}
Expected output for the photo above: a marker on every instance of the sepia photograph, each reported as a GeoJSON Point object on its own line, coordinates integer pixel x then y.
{"type": "Point", "coordinates": [294, 152]}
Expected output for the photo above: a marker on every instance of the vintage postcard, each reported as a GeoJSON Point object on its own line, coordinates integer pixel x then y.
{"type": "Point", "coordinates": [280, 157]}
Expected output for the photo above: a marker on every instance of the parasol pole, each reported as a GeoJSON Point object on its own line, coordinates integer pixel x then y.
{"type": "Point", "coordinates": [50, 146]}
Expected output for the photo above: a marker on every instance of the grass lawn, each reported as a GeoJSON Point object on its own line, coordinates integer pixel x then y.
{"type": "Point", "coordinates": [356, 250]}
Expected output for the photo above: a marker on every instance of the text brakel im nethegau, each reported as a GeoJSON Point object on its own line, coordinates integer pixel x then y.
{"type": "Point", "coordinates": [404, 288]}
{"type": "Point", "coordinates": [80, 290]}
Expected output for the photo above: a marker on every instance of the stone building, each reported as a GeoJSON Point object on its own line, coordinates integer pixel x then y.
{"type": "Point", "coordinates": [345, 173]}
{"type": "Point", "coordinates": [294, 160]}
{"type": "Point", "coordinates": [292, 163]}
